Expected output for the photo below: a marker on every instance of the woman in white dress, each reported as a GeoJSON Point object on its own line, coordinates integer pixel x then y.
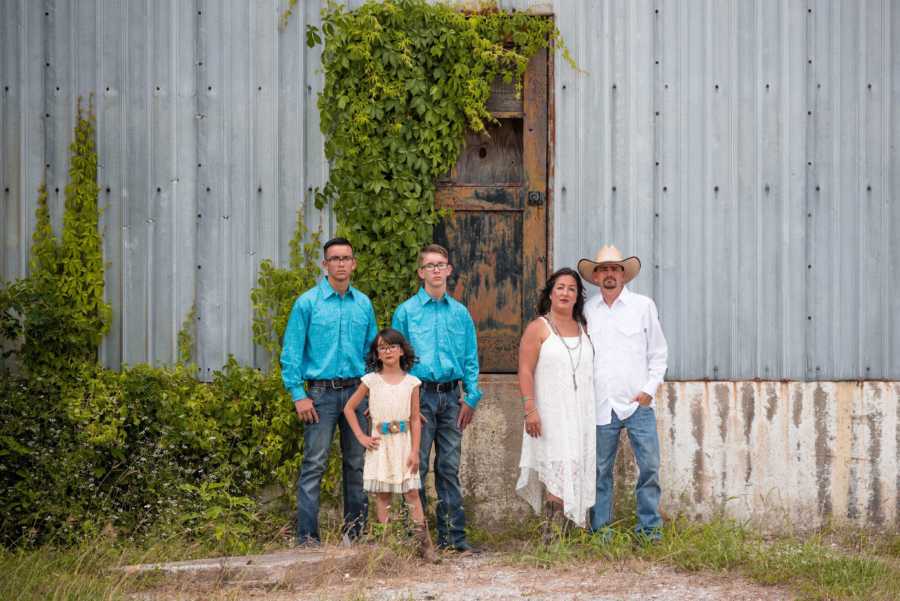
{"type": "Point", "coordinates": [556, 361]}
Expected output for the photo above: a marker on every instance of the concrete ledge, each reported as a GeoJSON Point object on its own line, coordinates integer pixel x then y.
{"type": "Point", "coordinates": [270, 568]}
{"type": "Point", "coordinates": [773, 453]}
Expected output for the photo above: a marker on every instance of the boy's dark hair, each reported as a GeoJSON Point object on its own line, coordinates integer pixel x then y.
{"type": "Point", "coordinates": [335, 242]}
{"type": "Point", "coordinates": [391, 336]}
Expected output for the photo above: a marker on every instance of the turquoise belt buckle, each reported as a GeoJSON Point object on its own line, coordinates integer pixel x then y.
{"type": "Point", "coordinates": [394, 427]}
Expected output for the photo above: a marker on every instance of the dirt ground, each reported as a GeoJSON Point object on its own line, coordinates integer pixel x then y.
{"type": "Point", "coordinates": [486, 577]}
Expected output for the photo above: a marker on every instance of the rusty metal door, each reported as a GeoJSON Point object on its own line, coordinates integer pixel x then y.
{"type": "Point", "coordinates": [497, 232]}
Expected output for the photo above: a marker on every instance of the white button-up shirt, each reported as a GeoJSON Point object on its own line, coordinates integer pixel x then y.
{"type": "Point", "coordinates": [630, 352]}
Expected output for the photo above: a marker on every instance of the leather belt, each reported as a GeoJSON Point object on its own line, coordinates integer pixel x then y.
{"type": "Point", "coordinates": [440, 386]}
{"type": "Point", "coordinates": [336, 384]}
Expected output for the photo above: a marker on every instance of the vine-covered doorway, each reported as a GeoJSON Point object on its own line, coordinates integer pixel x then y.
{"type": "Point", "coordinates": [497, 232]}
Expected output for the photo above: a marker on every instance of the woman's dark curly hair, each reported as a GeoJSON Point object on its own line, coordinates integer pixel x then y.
{"type": "Point", "coordinates": [578, 309]}
{"type": "Point", "coordinates": [391, 336]}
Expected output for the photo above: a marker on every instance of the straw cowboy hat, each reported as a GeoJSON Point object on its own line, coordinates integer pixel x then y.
{"type": "Point", "coordinates": [609, 254]}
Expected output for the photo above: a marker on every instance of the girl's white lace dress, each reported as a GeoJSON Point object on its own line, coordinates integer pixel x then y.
{"type": "Point", "coordinates": [385, 469]}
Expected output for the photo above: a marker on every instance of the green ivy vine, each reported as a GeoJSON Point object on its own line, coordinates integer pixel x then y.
{"type": "Point", "coordinates": [404, 79]}
{"type": "Point", "coordinates": [59, 312]}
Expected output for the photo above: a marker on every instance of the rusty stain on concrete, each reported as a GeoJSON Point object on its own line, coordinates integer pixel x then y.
{"type": "Point", "coordinates": [671, 403]}
{"type": "Point", "coordinates": [823, 458]}
{"type": "Point", "coordinates": [748, 405]}
{"type": "Point", "coordinates": [724, 405]}
{"type": "Point", "coordinates": [697, 431]}
{"type": "Point", "coordinates": [771, 401]}
{"type": "Point", "coordinates": [873, 508]}
{"type": "Point", "coordinates": [842, 450]}
{"type": "Point", "coordinates": [798, 406]}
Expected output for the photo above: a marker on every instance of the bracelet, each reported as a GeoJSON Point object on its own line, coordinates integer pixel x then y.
{"type": "Point", "coordinates": [527, 413]}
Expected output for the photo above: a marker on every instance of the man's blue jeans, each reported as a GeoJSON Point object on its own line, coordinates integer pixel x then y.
{"type": "Point", "coordinates": [329, 403]}
{"type": "Point", "coordinates": [641, 428]}
{"type": "Point", "coordinates": [441, 410]}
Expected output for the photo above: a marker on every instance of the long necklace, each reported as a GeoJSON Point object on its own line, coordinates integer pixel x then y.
{"type": "Point", "coordinates": [569, 350]}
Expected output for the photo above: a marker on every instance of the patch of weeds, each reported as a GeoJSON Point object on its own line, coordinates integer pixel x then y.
{"type": "Point", "coordinates": [816, 571]}
{"type": "Point", "coordinates": [821, 573]}
{"type": "Point", "coordinates": [716, 546]}
{"type": "Point", "coordinates": [77, 574]}
{"type": "Point", "coordinates": [862, 540]}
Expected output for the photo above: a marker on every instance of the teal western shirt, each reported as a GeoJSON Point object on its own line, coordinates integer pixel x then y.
{"type": "Point", "coordinates": [327, 337]}
{"type": "Point", "coordinates": [443, 335]}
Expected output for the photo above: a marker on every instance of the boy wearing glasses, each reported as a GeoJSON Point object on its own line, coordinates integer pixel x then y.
{"type": "Point", "coordinates": [442, 334]}
{"type": "Point", "coordinates": [331, 327]}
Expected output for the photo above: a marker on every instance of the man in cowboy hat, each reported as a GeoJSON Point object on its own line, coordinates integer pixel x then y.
{"type": "Point", "coordinates": [629, 364]}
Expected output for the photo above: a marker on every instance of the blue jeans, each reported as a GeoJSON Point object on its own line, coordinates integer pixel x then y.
{"type": "Point", "coordinates": [641, 428]}
{"type": "Point", "coordinates": [441, 409]}
{"type": "Point", "coordinates": [317, 438]}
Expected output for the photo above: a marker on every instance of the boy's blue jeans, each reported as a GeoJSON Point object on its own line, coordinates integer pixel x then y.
{"type": "Point", "coordinates": [329, 404]}
{"type": "Point", "coordinates": [441, 410]}
{"type": "Point", "coordinates": [641, 428]}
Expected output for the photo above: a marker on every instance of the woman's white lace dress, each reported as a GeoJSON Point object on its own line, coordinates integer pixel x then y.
{"type": "Point", "coordinates": [563, 459]}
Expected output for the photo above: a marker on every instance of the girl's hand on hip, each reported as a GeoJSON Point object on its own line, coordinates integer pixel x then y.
{"type": "Point", "coordinates": [533, 424]}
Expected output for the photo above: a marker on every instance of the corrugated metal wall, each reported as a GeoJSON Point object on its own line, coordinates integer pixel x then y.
{"type": "Point", "coordinates": [208, 141]}
{"type": "Point", "coordinates": [747, 151]}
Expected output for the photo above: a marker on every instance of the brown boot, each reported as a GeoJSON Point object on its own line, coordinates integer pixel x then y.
{"type": "Point", "coordinates": [425, 546]}
{"type": "Point", "coordinates": [552, 513]}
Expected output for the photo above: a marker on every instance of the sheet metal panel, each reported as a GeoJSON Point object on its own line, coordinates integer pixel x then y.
{"type": "Point", "coordinates": [12, 24]}
{"type": "Point", "coordinates": [766, 250]}
{"type": "Point", "coordinates": [891, 178]}
{"type": "Point", "coordinates": [110, 101]}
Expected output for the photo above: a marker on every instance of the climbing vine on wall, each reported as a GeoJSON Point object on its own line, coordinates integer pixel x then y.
{"type": "Point", "coordinates": [404, 79]}
{"type": "Point", "coordinates": [59, 311]}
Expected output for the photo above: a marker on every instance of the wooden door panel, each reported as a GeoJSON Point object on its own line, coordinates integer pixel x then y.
{"type": "Point", "coordinates": [487, 244]}
{"type": "Point", "coordinates": [497, 230]}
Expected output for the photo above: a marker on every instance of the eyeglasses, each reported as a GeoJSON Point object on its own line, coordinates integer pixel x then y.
{"type": "Point", "coordinates": [435, 266]}
{"type": "Point", "coordinates": [384, 348]}
{"type": "Point", "coordinates": [339, 259]}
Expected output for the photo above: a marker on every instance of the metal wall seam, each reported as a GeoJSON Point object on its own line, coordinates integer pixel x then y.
{"type": "Point", "coordinates": [793, 174]}
{"type": "Point", "coordinates": [892, 178]}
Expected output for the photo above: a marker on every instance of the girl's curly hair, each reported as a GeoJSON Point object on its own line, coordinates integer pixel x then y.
{"type": "Point", "coordinates": [391, 336]}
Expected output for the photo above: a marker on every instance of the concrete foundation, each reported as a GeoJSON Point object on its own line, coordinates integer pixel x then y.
{"type": "Point", "coordinates": [777, 454]}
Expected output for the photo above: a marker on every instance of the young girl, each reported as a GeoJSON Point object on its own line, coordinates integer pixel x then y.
{"type": "Point", "coordinates": [392, 452]}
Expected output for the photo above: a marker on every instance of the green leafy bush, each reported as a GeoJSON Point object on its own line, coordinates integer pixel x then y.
{"type": "Point", "coordinates": [85, 449]}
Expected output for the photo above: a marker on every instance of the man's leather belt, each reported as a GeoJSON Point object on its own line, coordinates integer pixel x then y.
{"type": "Point", "coordinates": [394, 427]}
{"type": "Point", "coordinates": [440, 386]}
{"type": "Point", "coordinates": [335, 384]}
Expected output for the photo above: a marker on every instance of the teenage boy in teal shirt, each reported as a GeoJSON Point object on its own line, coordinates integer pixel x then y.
{"type": "Point", "coordinates": [331, 327]}
{"type": "Point", "coordinates": [442, 333]}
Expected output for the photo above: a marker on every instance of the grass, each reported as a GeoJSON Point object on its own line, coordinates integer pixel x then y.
{"type": "Point", "coordinates": [815, 567]}
{"type": "Point", "coordinates": [832, 564]}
